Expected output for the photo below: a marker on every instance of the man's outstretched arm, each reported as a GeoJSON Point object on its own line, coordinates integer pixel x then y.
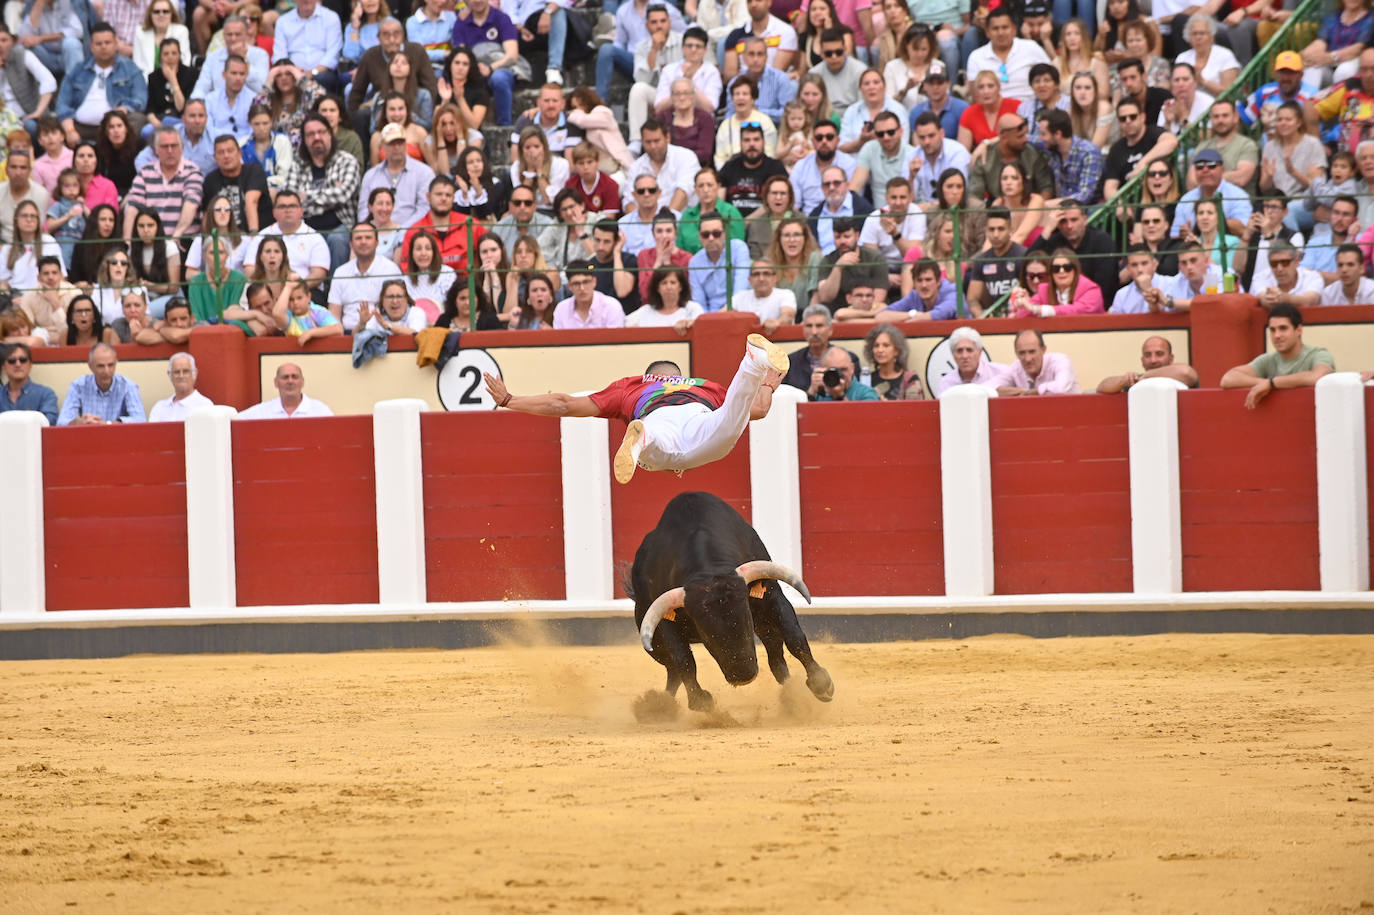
{"type": "Point", "coordinates": [540, 404]}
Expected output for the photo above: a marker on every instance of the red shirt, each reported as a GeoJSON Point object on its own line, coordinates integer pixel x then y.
{"type": "Point", "coordinates": [645, 260]}
{"type": "Point", "coordinates": [633, 397]}
{"type": "Point", "coordinates": [977, 122]}
{"type": "Point", "coordinates": [453, 244]}
{"type": "Point", "coordinates": [605, 196]}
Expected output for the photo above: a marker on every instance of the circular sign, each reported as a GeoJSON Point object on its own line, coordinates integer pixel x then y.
{"type": "Point", "coordinates": [460, 382]}
{"type": "Point", "coordinates": [940, 363]}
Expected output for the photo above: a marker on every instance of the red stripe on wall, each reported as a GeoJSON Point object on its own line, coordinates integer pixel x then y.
{"type": "Point", "coordinates": [1248, 481]}
{"type": "Point", "coordinates": [305, 511]}
{"type": "Point", "coordinates": [1061, 494]}
{"type": "Point", "coordinates": [114, 516]}
{"type": "Point", "coordinates": [870, 498]}
{"type": "Point", "coordinates": [637, 505]}
{"type": "Point", "coordinates": [493, 497]}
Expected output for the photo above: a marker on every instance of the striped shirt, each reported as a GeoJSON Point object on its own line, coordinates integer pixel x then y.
{"type": "Point", "coordinates": [152, 190]}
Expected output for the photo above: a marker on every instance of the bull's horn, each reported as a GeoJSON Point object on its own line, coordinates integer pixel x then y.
{"type": "Point", "coordinates": [664, 605]}
{"type": "Point", "coordinates": [765, 568]}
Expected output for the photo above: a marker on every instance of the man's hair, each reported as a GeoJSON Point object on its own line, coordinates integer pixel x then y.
{"type": "Point", "coordinates": [1231, 103]}
{"type": "Point", "coordinates": [830, 36]}
{"type": "Point", "coordinates": [193, 101]}
{"type": "Point", "coordinates": [580, 268]}
{"type": "Point", "coordinates": [170, 39]}
{"type": "Point", "coordinates": [224, 138]}
{"type": "Point", "coordinates": [439, 181]}
{"type": "Point", "coordinates": [234, 59]}
{"type": "Point", "coordinates": [886, 115]}
{"type": "Point", "coordinates": [1129, 63]}
{"type": "Point", "coordinates": [101, 345]}
{"type": "Point", "coordinates": [21, 151]}
{"type": "Point", "coordinates": [1284, 310]}
{"type": "Point", "coordinates": [363, 224]}
{"type": "Point", "coordinates": [710, 217]}
{"type": "Point", "coordinates": [655, 8]}
{"type": "Point", "coordinates": [927, 117]}
{"type": "Point", "coordinates": [847, 224]}
{"type": "Point", "coordinates": [650, 124]}
{"type": "Point", "coordinates": [172, 305]}
{"type": "Point", "coordinates": [287, 192]}
{"type": "Point", "coordinates": [1049, 70]}
{"type": "Point", "coordinates": [658, 365]}
{"type": "Point", "coordinates": [698, 33]}
{"type": "Point", "coordinates": [897, 181]}
{"type": "Point", "coordinates": [997, 213]}
{"type": "Point", "coordinates": [584, 150]}
{"type": "Point", "coordinates": [1139, 249]}
{"type": "Point", "coordinates": [1346, 248]}
{"type": "Point", "coordinates": [1069, 203]}
{"type": "Point", "coordinates": [5, 351]}
{"type": "Point", "coordinates": [1058, 122]}
{"type": "Point", "coordinates": [49, 124]}
{"type": "Point", "coordinates": [1192, 71]}
{"type": "Point", "coordinates": [1000, 11]}
{"type": "Point", "coordinates": [1040, 337]}
{"type": "Point", "coordinates": [925, 265]}
{"type": "Point", "coordinates": [1127, 103]}
{"type": "Point", "coordinates": [812, 310]}
{"type": "Point", "coordinates": [1344, 198]}
{"type": "Point", "coordinates": [607, 225]}
{"type": "Point", "coordinates": [51, 261]}
{"type": "Point", "coordinates": [97, 29]}
{"type": "Point", "coordinates": [751, 127]}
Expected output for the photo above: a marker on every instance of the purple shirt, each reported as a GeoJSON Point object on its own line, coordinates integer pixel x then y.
{"type": "Point", "coordinates": [987, 375]}
{"type": "Point", "coordinates": [1056, 376]}
{"type": "Point", "coordinates": [605, 312]}
{"type": "Point", "coordinates": [497, 27]}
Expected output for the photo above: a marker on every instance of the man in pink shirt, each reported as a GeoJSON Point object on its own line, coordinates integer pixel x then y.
{"type": "Point", "coordinates": [971, 363]}
{"type": "Point", "coordinates": [586, 307]}
{"type": "Point", "coordinates": [1036, 371]}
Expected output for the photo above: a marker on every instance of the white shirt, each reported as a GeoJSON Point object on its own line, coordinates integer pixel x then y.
{"type": "Point", "coordinates": [95, 104]}
{"type": "Point", "coordinates": [414, 318]}
{"type": "Point", "coordinates": [912, 227]}
{"type": "Point", "coordinates": [272, 409]}
{"type": "Point", "coordinates": [638, 231]}
{"type": "Point", "coordinates": [648, 316]}
{"type": "Point", "coordinates": [46, 82]}
{"type": "Point", "coordinates": [1219, 60]}
{"type": "Point", "coordinates": [172, 410]}
{"type": "Point", "coordinates": [1264, 277]}
{"type": "Point", "coordinates": [768, 309]}
{"type": "Point", "coordinates": [679, 170]}
{"type": "Point", "coordinates": [1179, 287]}
{"type": "Point", "coordinates": [1335, 294]}
{"type": "Point", "coordinates": [1014, 74]}
{"type": "Point", "coordinates": [1201, 102]}
{"type": "Point", "coordinates": [420, 286]}
{"type": "Point", "coordinates": [1129, 300]}
{"type": "Point", "coordinates": [305, 248]}
{"type": "Point", "coordinates": [351, 287]}
{"type": "Point", "coordinates": [1309, 280]}
{"type": "Point", "coordinates": [706, 79]}
{"type": "Point", "coordinates": [779, 36]}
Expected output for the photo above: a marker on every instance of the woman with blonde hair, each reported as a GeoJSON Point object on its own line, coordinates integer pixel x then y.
{"type": "Point", "coordinates": [19, 258]}
{"type": "Point", "coordinates": [797, 258]}
{"type": "Point", "coordinates": [527, 259]}
{"type": "Point", "coordinates": [538, 169]}
{"type": "Point", "coordinates": [1091, 112]}
{"type": "Point", "coordinates": [979, 120]}
{"type": "Point", "coordinates": [1075, 54]}
{"type": "Point", "coordinates": [448, 139]}
{"type": "Point", "coordinates": [160, 21]}
{"type": "Point", "coordinates": [812, 93]}
{"type": "Point", "coordinates": [794, 134]}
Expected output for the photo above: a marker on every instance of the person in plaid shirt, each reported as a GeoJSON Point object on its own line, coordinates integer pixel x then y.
{"type": "Point", "coordinates": [1075, 162]}
{"type": "Point", "coordinates": [327, 181]}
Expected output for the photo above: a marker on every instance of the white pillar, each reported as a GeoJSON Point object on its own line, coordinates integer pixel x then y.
{"type": "Point", "coordinates": [23, 588]}
{"type": "Point", "coordinates": [587, 560]}
{"type": "Point", "coordinates": [966, 488]}
{"type": "Point", "coordinates": [400, 501]}
{"type": "Point", "coordinates": [1342, 484]}
{"type": "Point", "coordinates": [210, 508]}
{"type": "Point", "coordinates": [1156, 528]}
{"type": "Point", "coordinates": [775, 478]}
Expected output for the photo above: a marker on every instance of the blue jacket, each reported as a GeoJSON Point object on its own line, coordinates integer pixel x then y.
{"type": "Point", "coordinates": [126, 86]}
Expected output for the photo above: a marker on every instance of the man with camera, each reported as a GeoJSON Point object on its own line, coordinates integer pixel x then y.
{"type": "Point", "coordinates": [837, 379]}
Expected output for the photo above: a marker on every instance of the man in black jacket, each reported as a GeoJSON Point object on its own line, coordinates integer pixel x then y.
{"type": "Point", "coordinates": [1095, 249]}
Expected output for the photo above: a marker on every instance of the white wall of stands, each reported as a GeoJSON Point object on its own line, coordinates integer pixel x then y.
{"type": "Point", "coordinates": [774, 476]}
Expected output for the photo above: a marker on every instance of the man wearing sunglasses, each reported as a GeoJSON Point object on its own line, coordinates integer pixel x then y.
{"type": "Point", "coordinates": [1235, 202]}
{"type": "Point", "coordinates": [1141, 143]}
{"type": "Point", "coordinates": [1013, 145]}
{"type": "Point", "coordinates": [840, 72]}
{"type": "Point", "coordinates": [22, 393]}
{"type": "Point", "coordinates": [884, 157]}
{"type": "Point", "coordinates": [806, 174]}
{"type": "Point", "coordinates": [838, 202]}
{"type": "Point", "coordinates": [708, 267]}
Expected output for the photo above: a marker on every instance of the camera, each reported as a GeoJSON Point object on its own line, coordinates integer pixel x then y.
{"type": "Point", "coordinates": [831, 378]}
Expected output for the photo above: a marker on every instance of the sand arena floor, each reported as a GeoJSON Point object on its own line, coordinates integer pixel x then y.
{"type": "Point", "coordinates": [1163, 774]}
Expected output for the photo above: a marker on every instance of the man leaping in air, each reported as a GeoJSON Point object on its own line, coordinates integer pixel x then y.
{"type": "Point", "coordinates": [675, 423]}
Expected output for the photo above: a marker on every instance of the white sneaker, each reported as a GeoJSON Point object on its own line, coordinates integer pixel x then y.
{"type": "Point", "coordinates": [770, 350]}
{"type": "Point", "coordinates": [553, 76]}
{"type": "Point", "coordinates": [628, 456]}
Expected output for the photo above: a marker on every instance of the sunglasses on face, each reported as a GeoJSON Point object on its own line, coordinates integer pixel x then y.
{"type": "Point", "coordinates": [1127, 118]}
{"type": "Point", "coordinates": [16, 360]}
{"type": "Point", "coordinates": [120, 262]}
{"type": "Point", "coordinates": [1163, 174]}
{"type": "Point", "coordinates": [831, 183]}
{"type": "Point", "coordinates": [885, 133]}
{"type": "Point", "coordinates": [1151, 222]}
{"type": "Point", "coordinates": [1036, 276]}
{"type": "Point", "coordinates": [1062, 268]}
{"type": "Point", "coordinates": [833, 52]}
{"type": "Point", "coordinates": [825, 137]}
{"type": "Point", "coordinates": [1206, 165]}
{"type": "Point", "coordinates": [1282, 262]}
{"type": "Point", "coordinates": [646, 190]}
{"type": "Point", "coordinates": [712, 233]}
{"type": "Point", "coordinates": [522, 203]}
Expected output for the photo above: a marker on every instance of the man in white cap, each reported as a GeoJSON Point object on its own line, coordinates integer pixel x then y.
{"type": "Point", "coordinates": [971, 363]}
{"type": "Point", "coordinates": [185, 399]}
{"type": "Point", "coordinates": [407, 178]}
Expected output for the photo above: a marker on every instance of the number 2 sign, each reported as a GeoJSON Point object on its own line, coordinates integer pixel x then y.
{"type": "Point", "coordinates": [460, 382]}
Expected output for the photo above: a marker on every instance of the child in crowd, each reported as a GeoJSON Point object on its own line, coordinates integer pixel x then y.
{"type": "Point", "coordinates": [599, 192]}
{"type": "Point", "coordinates": [48, 167]}
{"type": "Point", "coordinates": [1316, 206]}
{"type": "Point", "coordinates": [301, 318]}
{"type": "Point", "coordinates": [794, 136]}
{"type": "Point", "coordinates": [66, 220]}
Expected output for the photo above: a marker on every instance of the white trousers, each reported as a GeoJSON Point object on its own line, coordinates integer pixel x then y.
{"type": "Point", "coordinates": [684, 436]}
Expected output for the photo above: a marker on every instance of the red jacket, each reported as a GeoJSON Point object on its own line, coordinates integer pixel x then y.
{"type": "Point", "coordinates": [453, 244]}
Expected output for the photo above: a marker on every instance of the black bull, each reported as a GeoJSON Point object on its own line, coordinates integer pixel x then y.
{"type": "Point", "coordinates": [691, 582]}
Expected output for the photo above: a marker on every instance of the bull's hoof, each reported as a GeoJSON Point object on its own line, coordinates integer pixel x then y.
{"type": "Point", "coordinates": [701, 701]}
{"type": "Point", "coordinates": [820, 684]}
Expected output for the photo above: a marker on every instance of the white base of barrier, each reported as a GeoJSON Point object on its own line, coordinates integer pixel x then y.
{"type": "Point", "coordinates": [831, 606]}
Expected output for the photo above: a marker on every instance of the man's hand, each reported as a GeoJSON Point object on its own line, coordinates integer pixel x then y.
{"type": "Point", "coordinates": [497, 389]}
{"type": "Point", "coordinates": [526, 35]}
{"type": "Point", "coordinates": [545, 21]}
{"type": "Point", "coordinates": [847, 259]}
{"type": "Point", "coordinates": [1006, 390]}
{"type": "Point", "coordinates": [30, 41]}
{"type": "Point", "coordinates": [1258, 392]}
{"type": "Point", "coordinates": [815, 385]}
{"type": "Point", "coordinates": [88, 419]}
{"type": "Point", "coordinates": [888, 223]}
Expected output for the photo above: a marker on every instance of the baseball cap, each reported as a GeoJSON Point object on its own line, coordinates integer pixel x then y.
{"type": "Point", "coordinates": [1207, 155]}
{"type": "Point", "coordinates": [1287, 60]}
{"type": "Point", "coordinates": [393, 132]}
{"type": "Point", "coordinates": [936, 71]}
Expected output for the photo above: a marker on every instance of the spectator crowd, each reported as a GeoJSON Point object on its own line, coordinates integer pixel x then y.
{"type": "Point", "coordinates": [317, 169]}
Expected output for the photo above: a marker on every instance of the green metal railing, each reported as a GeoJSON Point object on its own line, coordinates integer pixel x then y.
{"type": "Point", "coordinates": [1295, 33]}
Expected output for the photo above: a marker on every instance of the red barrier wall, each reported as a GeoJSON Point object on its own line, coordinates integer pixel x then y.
{"type": "Point", "coordinates": [870, 498]}
{"type": "Point", "coordinates": [114, 516]}
{"type": "Point", "coordinates": [1248, 481]}
{"type": "Point", "coordinates": [1061, 494]}
{"type": "Point", "coordinates": [493, 496]}
{"type": "Point", "coordinates": [637, 505]}
{"type": "Point", "coordinates": [1369, 458]}
{"type": "Point", "coordinates": [305, 511]}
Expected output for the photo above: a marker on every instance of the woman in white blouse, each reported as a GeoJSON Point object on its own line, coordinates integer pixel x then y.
{"type": "Point", "coordinates": [1216, 66]}
{"type": "Point", "coordinates": [669, 302]}
{"type": "Point", "coordinates": [159, 22]}
{"type": "Point", "coordinates": [19, 261]}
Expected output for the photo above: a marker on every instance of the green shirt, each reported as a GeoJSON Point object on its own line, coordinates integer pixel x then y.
{"type": "Point", "coordinates": [857, 390]}
{"type": "Point", "coordinates": [1272, 365]}
{"type": "Point", "coordinates": [687, 238]}
{"type": "Point", "coordinates": [207, 302]}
